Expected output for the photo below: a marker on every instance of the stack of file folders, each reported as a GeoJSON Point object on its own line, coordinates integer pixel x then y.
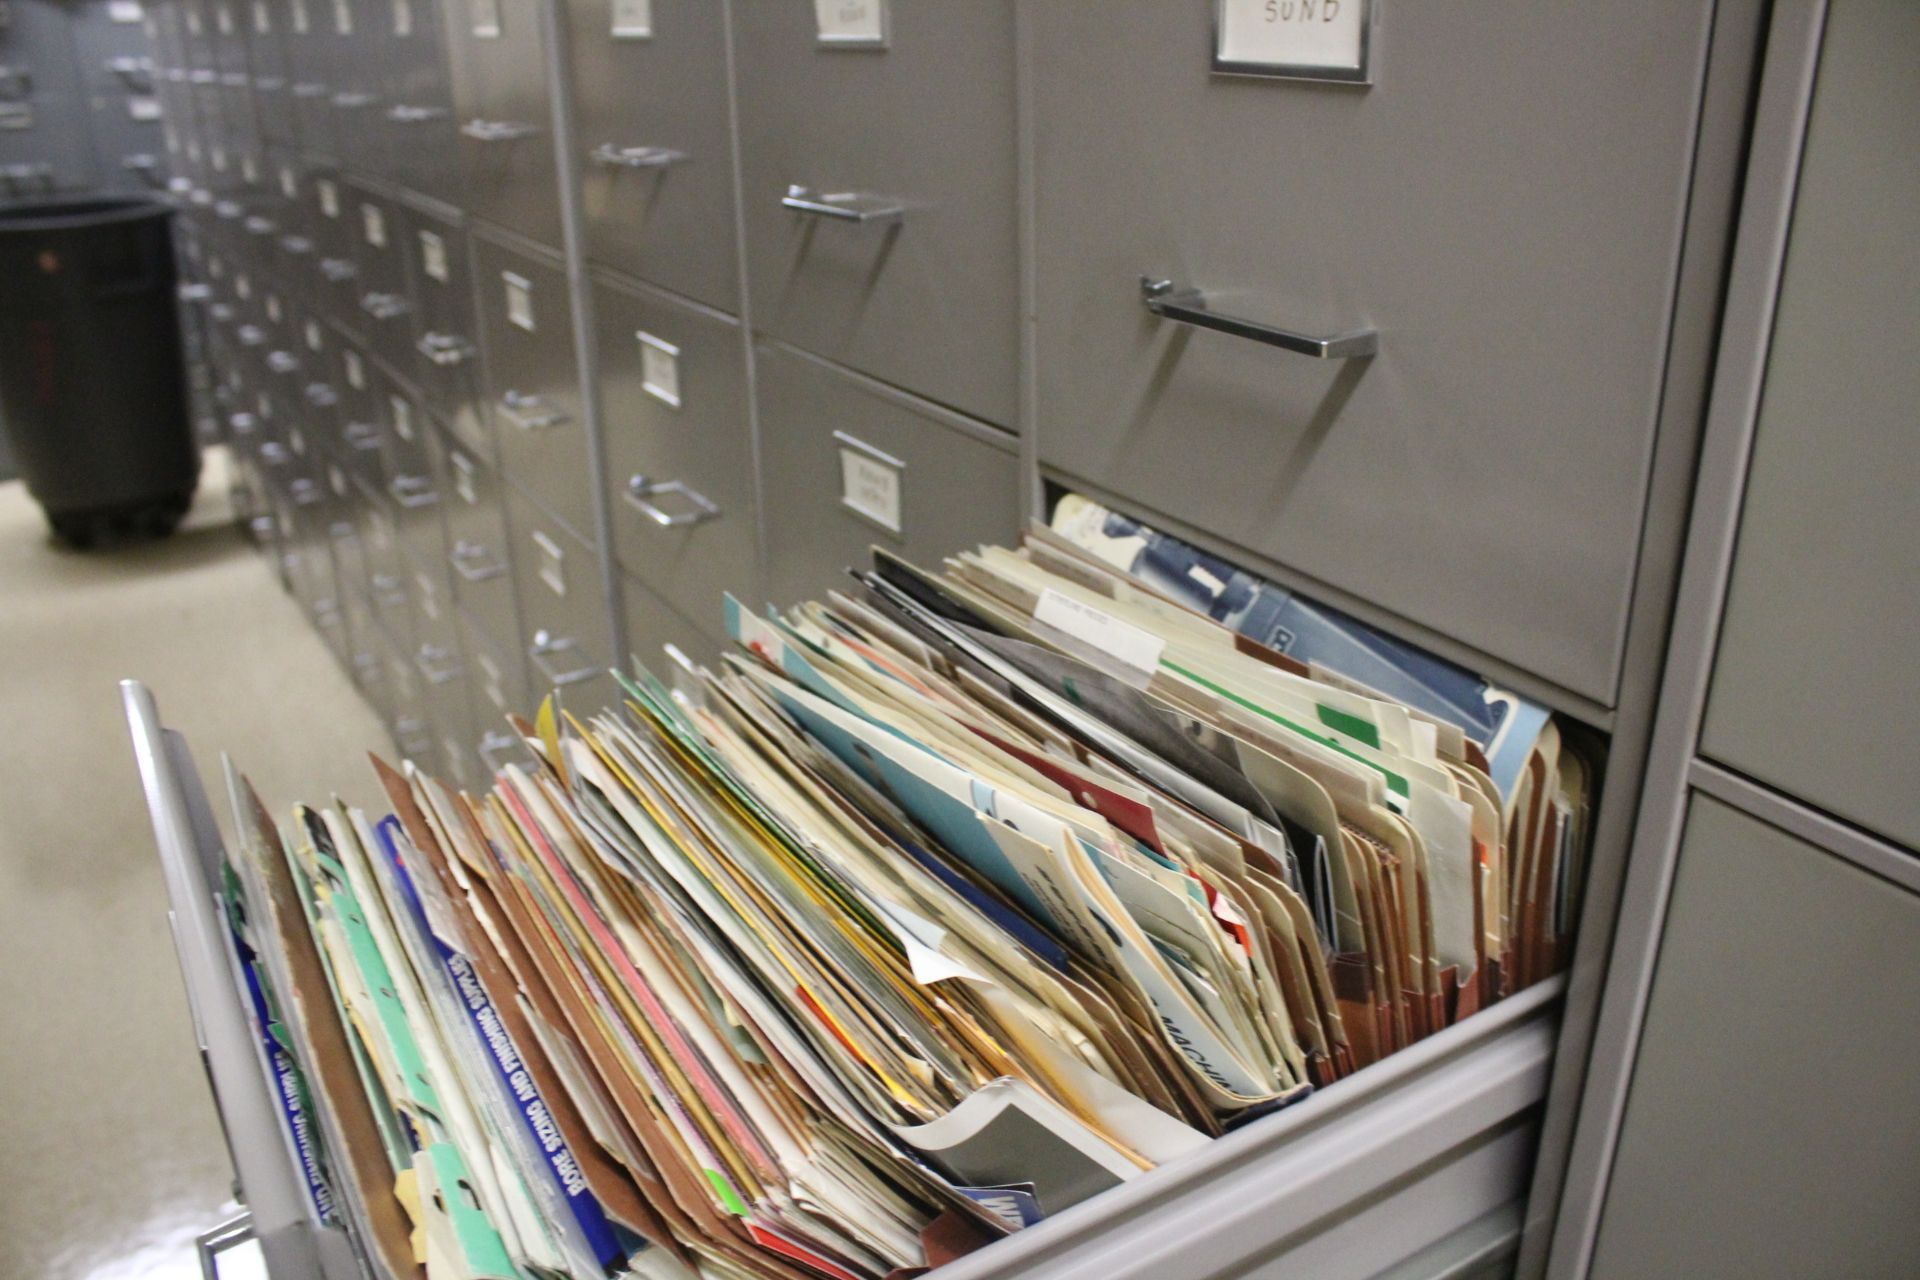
{"type": "Point", "coordinates": [937, 906]}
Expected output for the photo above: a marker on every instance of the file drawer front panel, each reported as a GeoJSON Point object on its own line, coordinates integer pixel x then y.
{"type": "Point", "coordinates": [310, 78]}
{"type": "Point", "coordinates": [496, 685]}
{"type": "Point", "coordinates": [653, 623]}
{"type": "Point", "coordinates": [919, 137]}
{"type": "Point", "coordinates": [1836, 952]}
{"type": "Point", "coordinates": [565, 631]}
{"type": "Point", "coordinates": [1484, 472]}
{"type": "Point", "coordinates": [411, 485]}
{"type": "Point", "coordinates": [360, 411]}
{"type": "Point", "coordinates": [387, 587]}
{"type": "Point", "coordinates": [506, 141]}
{"type": "Point", "coordinates": [679, 454]}
{"type": "Point", "coordinates": [1813, 687]}
{"type": "Point", "coordinates": [420, 132]}
{"type": "Point", "coordinates": [338, 233]}
{"type": "Point", "coordinates": [477, 548]}
{"type": "Point", "coordinates": [378, 231]}
{"type": "Point", "coordinates": [447, 348]}
{"type": "Point", "coordinates": [849, 464]}
{"type": "Point", "coordinates": [656, 154]}
{"type": "Point", "coordinates": [267, 59]}
{"type": "Point", "coordinates": [532, 380]}
{"type": "Point", "coordinates": [353, 50]}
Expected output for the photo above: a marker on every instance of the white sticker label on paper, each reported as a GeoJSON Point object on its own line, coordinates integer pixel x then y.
{"type": "Point", "coordinates": [870, 487]}
{"type": "Point", "coordinates": [519, 300]}
{"type": "Point", "coordinates": [1325, 38]}
{"type": "Point", "coordinates": [433, 256]}
{"type": "Point", "coordinates": [632, 19]}
{"type": "Point", "coordinates": [141, 107]}
{"type": "Point", "coordinates": [124, 11]}
{"type": "Point", "coordinates": [329, 197]}
{"type": "Point", "coordinates": [374, 223]}
{"type": "Point", "coordinates": [485, 18]}
{"type": "Point", "coordinates": [356, 372]}
{"type": "Point", "coordinates": [1134, 647]}
{"type": "Point", "coordinates": [659, 368]}
{"type": "Point", "coordinates": [851, 21]}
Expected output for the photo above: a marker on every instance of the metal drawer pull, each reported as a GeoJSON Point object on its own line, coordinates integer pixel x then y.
{"type": "Point", "coordinates": [205, 76]}
{"type": "Point", "coordinates": [148, 167]}
{"type": "Point", "coordinates": [637, 157]}
{"type": "Point", "coordinates": [322, 396]}
{"type": "Point", "coordinates": [227, 209]}
{"type": "Point", "coordinates": [437, 663]}
{"type": "Point", "coordinates": [195, 292]}
{"type": "Point", "coordinates": [527, 412]}
{"type": "Point", "coordinates": [338, 269]}
{"type": "Point", "coordinates": [412, 491]}
{"type": "Point", "coordinates": [444, 349]}
{"type": "Point", "coordinates": [640, 489]}
{"type": "Point", "coordinates": [221, 312]}
{"type": "Point", "coordinates": [474, 563]}
{"type": "Point", "coordinates": [308, 90]}
{"type": "Point", "coordinates": [296, 246]}
{"type": "Point", "coordinates": [283, 362]}
{"type": "Point", "coordinates": [275, 454]}
{"type": "Point", "coordinates": [387, 590]}
{"type": "Point", "coordinates": [251, 335]}
{"type": "Point", "coordinates": [304, 491]}
{"type": "Point", "coordinates": [353, 100]}
{"type": "Point", "coordinates": [496, 742]}
{"type": "Point", "coordinates": [405, 113]}
{"type": "Point", "coordinates": [259, 225]}
{"type": "Point", "coordinates": [384, 306]}
{"type": "Point", "coordinates": [362, 435]}
{"type": "Point", "coordinates": [16, 82]}
{"type": "Point", "coordinates": [269, 84]}
{"type": "Point", "coordinates": [497, 130]}
{"type": "Point", "coordinates": [412, 737]}
{"type": "Point", "coordinates": [547, 646]}
{"type": "Point", "coordinates": [1189, 306]}
{"type": "Point", "coordinates": [243, 424]}
{"type": "Point", "coordinates": [845, 206]}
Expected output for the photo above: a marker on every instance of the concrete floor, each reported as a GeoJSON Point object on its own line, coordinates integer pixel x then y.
{"type": "Point", "coordinates": [110, 1157]}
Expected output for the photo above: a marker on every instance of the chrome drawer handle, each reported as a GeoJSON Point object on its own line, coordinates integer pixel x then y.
{"type": "Point", "coordinates": [384, 306]}
{"type": "Point", "coordinates": [296, 246]}
{"type": "Point", "coordinates": [244, 424]}
{"type": "Point", "coordinates": [527, 412]}
{"type": "Point", "coordinates": [364, 436]}
{"type": "Point", "coordinates": [259, 226]}
{"type": "Point", "coordinates": [195, 292]}
{"type": "Point", "coordinates": [322, 396]}
{"type": "Point", "coordinates": [221, 311]}
{"type": "Point", "coordinates": [640, 490]}
{"type": "Point", "coordinates": [269, 84]}
{"type": "Point", "coordinates": [496, 742]}
{"type": "Point", "coordinates": [251, 335]}
{"type": "Point", "coordinates": [407, 114]}
{"type": "Point", "coordinates": [412, 737]}
{"type": "Point", "coordinates": [844, 206]}
{"type": "Point", "coordinates": [497, 130]}
{"type": "Point", "coordinates": [205, 76]}
{"type": "Point", "coordinates": [308, 90]}
{"type": "Point", "coordinates": [637, 157]}
{"type": "Point", "coordinates": [474, 562]}
{"type": "Point", "coordinates": [444, 349]}
{"type": "Point", "coordinates": [547, 646]}
{"type": "Point", "coordinates": [437, 663]}
{"type": "Point", "coordinates": [1189, 306]}
{"type": "Point", "coordinates": [305, 492]}
{"type": "Point", "coordinates": [387, 590]}
{"type": "Point", "coordinates": [338, 269]}
{"type": "Point", "coordinates": [283, 362]}
{"type": "Point", "coordinates": [227, 209]}
{"type": "Point", "coordinates": [412, 492]}
{"type": "Point", "coordinates": [353, 100]}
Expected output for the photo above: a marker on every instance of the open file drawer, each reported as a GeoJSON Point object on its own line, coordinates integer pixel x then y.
{"type": "Point", "coordinates": [1376, 1174]}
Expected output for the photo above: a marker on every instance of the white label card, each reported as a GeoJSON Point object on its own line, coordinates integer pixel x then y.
{"type": "Point", "coordinates": [1133, 647]}
{"type": "Point", "coordinates": [249, 170]}
{"type": "Point", "coordinates": [374, 223]}
{"type": "Point", "coordinates": [519, 300]}
{"type": "Point", "coordinates": [289, 185]}
{"type": "Point", "coordinates": [484, 18]}
{"type": "Point", "coordinates": [143, 108]}
{"type": "Point", "coordinates": [124, 11]}
{"type": "Point", "coordinates": [553, 563]}
{"type": "Point", "coordinates": [262, 18]}
{"type": "Point", "coordinates": [403, 17]}
{"type": "Point", "coordinates": [243, 286]}
{"type": "Point", "coordinates": [223, 19]}
{"type": "Point", "coordinates": [329, 197]}
{"type": "Point", "coordinates": [856, 22]}
{"type": "Point", "coordinates": [463, 480]}
{"type": "Point", "coordinates": [343, 17]}
{"type": "Point", "coordinates": [356, 372]}
{"type": "Point", "coordinates": [301, 25]}
{"type": "Point", "coordinates": [218, 156]}
{"type": "Point", "coordinates": [273, 307]}
{"type": "Point", "coordinates": [870, 487]}
{"type": "Point", "coordinates": [659, 368]}
{"type": "Point", "coordinates": [402, 417]}
{"type": "Point", "coordinates": [433, 256]}
{"type": "Point", "coordinates": [313, 336]}
{"type": "Point", "coordinates": [632, 19]}
{"type": "Point", "coordinates": [1314, 39]}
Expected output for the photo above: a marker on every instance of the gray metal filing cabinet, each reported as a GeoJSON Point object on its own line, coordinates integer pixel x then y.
{"type": "Point", "coordinates": [80, 101]}
{"type": "Point", "coordinates": [675, 297]}
{"type": "Point", "coordinates": [1751, 1108]}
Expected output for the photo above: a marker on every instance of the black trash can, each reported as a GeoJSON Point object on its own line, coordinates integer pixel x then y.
{"type": "Point", "coordinates": [92, 392]}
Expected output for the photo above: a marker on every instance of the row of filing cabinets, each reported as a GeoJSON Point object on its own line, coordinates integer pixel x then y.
{"type": "Point", "coordinates": [79, 110]}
